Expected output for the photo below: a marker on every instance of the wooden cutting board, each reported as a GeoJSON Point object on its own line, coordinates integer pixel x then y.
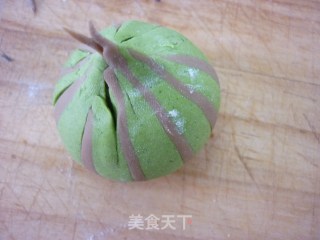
{"type": "Point", "coordinates": [257, 178]}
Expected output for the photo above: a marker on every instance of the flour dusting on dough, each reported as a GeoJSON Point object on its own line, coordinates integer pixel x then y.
{"type": "Point", "coordinates": [134, 93]}
{"type": "Point", "coordinates": [193, 73]}
{"type": "Point", "coordinates": [151, 82]}
{"type": "Point", "coordinates": [173, 113]}
{"type": "Point", "coordinates": [193, 88]}
{"type": "Point", "coordinates": [178, 120]}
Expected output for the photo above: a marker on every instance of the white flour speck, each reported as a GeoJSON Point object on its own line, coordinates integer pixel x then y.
{"type": "Point", "coordinates": [173, 113]}
{"type": "Point", "coordinates": [150, 83]}
{"type": "Point", "coordinates": [178, 120]}
{"type": "Point", "coordinates": [134, 93]}
{"type": "Point", "coordinates": [33, 90]}
{"type": "Point", "coordinates": [193, 72]}
{"type": "Point", "coordinates": [180, 126]}
{"type": "Point", "coordinates": [193, 88]}
{"type": "Point", "coordinates": [91, 237]}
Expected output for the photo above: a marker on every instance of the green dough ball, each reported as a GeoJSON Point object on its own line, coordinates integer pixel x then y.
{"type": "Point", "coordinates": [136, 104]}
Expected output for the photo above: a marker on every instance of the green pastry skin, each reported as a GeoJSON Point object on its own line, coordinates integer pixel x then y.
{"type": "Point", "coordinates": [138, 104]}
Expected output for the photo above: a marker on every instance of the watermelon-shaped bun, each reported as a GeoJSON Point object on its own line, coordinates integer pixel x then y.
{"type": "Point", "coordinates": [139, 103]}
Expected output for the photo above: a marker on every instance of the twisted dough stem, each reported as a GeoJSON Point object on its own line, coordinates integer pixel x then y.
{"type": "Point", "coordinates": [85, 40]}
{"type": "Point", "coordinates": [110, 49]}
{"type": "Point", "coordinates": [102, 45]}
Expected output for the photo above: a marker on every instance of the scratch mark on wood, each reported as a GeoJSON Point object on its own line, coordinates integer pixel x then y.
{"type": "Point", "coordinates": [49, 204]}
{"type": "Point", "coordinates": [314, 201]}
{"type": "Point", "coordinates": [8, 230]}
{"type": "Point", "coordinates": [206, 29]}
{"type": "Point", "coordinates": [262, 38]}
{"type": "Point", "coordinates": [244, 164]}
{"type": "Point", "coordinates": [98, 221]}
{"type": "Point", "coordinates": [223, 16]}
{"type": "Point", "coordinates": [35, 197]}
{"type": "Point", "coordinates": [248, 170]}
{"type": "Point", "coordinates": [19, 202]}
{"type": "Point", "coordinates": [6, 57]}
{"type": "Point", "coordinates": [140, 7]}
{"type": "Point", "coordinates": [267, 125]}
{"type": "Point", "coordinates": [237, 72]}
{"type": "Point", "coordinates": [33, 6]}
{"type": "Point", "coordinates": [74, 229]}
{"type": "Point", "coordinates": [183, 192]}
{"type": "Point", "coordinates": [206, 155]}
{"type": "Point", "coordinates": [62, 20]}
{"type": "Point", "coordinates": [58, 195]}
{"type": "Point", "coordinates": [1, 192]}
{"type": "Point", "coordinates": [308, 160]}
{"type": "Point", "coordinates": [313, 129]}
{"type": "Point", "coordinates": [300, 96]}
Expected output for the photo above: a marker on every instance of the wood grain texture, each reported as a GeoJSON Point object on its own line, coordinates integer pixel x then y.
{"type": "Point", "coordinates": [257, 178]}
